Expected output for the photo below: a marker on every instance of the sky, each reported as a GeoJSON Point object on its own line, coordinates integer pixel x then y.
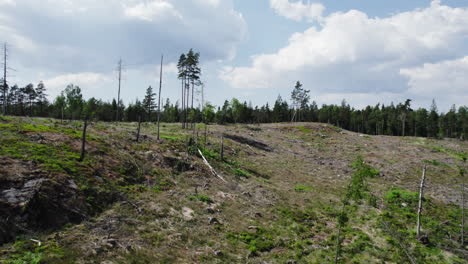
{"type": "Point", "coordinates": [363, 51]}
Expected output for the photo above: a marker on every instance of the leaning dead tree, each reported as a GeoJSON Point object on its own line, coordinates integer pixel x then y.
{"type": "Point", "coordinates": [421, 192]}
{"type": "Point", "coordinates": [83, 141]}
{"type": "Point", "coordinates": [209, 166]}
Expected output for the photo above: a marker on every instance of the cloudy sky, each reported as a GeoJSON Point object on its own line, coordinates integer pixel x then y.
{"type": "Point", "coordinates": [364, 51]}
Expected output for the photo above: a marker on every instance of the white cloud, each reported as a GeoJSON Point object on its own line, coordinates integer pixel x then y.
{"type": "Point", "coordinates": [446, 79]}
{"type": "Point", "coordinates": [352, 53]}
{"type": "Point", "coordinates": [93, 34]}
{"type": "Point", "coordinates": [297, 10]}
{"type": "Point", "coordinates": [7, 2]}
{"type": "Point", "coordinates": [85, 80]}
{"type": "Point", "coordinates": [156, 10]}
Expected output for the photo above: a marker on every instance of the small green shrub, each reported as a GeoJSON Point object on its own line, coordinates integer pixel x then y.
{"type": "Point", "coordinates": [201, 198]}
{"type": "Point", "coordinates": [241, 173]}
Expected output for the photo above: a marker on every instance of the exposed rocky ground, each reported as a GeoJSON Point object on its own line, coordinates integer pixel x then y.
{"type": "Point", "coordinates": [158, 202]}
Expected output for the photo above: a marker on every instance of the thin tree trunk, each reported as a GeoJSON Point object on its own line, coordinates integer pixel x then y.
{"type": "Point", "coordinates": [462, 174]}
{"type": "Point", "coordinates": [463, 214]}
{"type": "Point", "coordinates": [159, 95]}
{"type": "Point", "coordinates": [222, 147]}
{"type": "Point", "coordinates": [83, 141]}
{"type": "Point", "coordinates": [183, 104]}
{"type": "Point", "coordinates": [338, 239]}
{"type": "Point", "coordinates": [206, 127]}
{"type": "Point", "coordinates": [187, 100]}
{"type": "Point", "coordinates": [421, 192]}
{"type": "Point", "coordinates": [139, 127]}
{"type": "Point", "coordinates": [193, 115]}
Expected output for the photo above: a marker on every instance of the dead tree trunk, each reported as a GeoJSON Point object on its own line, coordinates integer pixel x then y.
{"type": "Point", "coordinates": [206, 126]}
{"type": "Point", "coordinates": [139, 127]}
{"type": "Point", "coordinates": [421, 192]}
{"type": "Point", "coordinates": [462, 174]}
{"type": "Point", "coordinates": [222, 147]}
{"type": "Point", "coordinates": [463, 214]}
{"type": "Point", "coordinates": [83, 141]}
{"type": "Point", "coordinates": [159, 95]}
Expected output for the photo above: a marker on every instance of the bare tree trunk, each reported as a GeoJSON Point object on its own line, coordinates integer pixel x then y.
{"type": "Point", "coordinates": [139, 127]}
{"type": "Point", "coordinates": [183, 103]}
{"type": "Point", "coordinates": [222, 147]}
{"type": "Point", "coordinates": [421, 191]}
{"type": "Point", "coordinates": [206, 128]}
{"type": "Point", "coordinates": [193, 112]}
{"type": "Point", "coordinates": [159, 95]}
{"type": "Point", "coordinates": [83, 141]}
{"type": "Point", "coordinates": [338, 237]}
{"type": "Point", "coordinates": [463, 213]}
{"type": "Point", "coordinates": [404, 124]}
{"type": "Point", "coordinates": [462, 174]}
{"type": "Point", "coordinates": [187, 100]}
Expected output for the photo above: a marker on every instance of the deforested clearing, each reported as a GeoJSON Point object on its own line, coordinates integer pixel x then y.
{"type": "Point", "coordinates": [313, 193]}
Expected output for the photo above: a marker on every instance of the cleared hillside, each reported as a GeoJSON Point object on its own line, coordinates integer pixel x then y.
{"type": "Point", "coordinates": [281, 201]}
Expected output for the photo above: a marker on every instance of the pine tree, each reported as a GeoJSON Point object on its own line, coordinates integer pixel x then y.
{"type": "Point", "coordinates": [41, 97]}
{"type": "Point", "coordinates": [433, 121]}
{"type": "Point", "coordinates": [149, 103]}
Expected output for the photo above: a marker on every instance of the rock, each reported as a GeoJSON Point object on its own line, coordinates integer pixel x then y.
{"type": "Point", "coordinates": [247, 194]}
{"type": "Point", "coordinates": [214, 221]}
{"type": "Point", "coordinates": [187, 213]}
{"type": "Point", "coordinates": [424, 240]}
{"type": "Point", "coordinates": [404, 204]}
{"type": "Point", "coordinates": [112, 242]}
{"type": "Point", "coordinates": [72, 184]}
{"type": "Point", "coordinates": [99, 179]}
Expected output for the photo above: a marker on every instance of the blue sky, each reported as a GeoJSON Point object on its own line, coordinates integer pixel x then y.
{"type": "Point", "coordinates": [363, 51]}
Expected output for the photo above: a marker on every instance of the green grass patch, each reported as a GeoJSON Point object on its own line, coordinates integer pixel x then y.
{"type": "Point", "coordinates": [58, 158]}
{"type": "Point", "coordinates": [201, 198]}
{"type": "Point", "coordinates": [436, 163]}
{"type": "Point", "coordinates": [242, 173]}
{"type": "Point", "coordinates": [302, 188]}
{"type": "Point", "coordinates": [304, 129]}
{"type": "Point", "coordinates": [259, 241]}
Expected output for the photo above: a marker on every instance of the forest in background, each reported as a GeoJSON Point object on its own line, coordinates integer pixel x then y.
{"type": "Point", "coordinates": [395, 120]}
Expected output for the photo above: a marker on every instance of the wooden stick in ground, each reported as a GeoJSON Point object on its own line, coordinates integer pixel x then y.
{"type": "Point", "coordinates": [462, 174]}
{"type": "Point", "coordinates": [421, 191]}
{"type": "Point", "coordinates": [222, 147]}
{"type": "Point", "coordinates": [206, 127]}
{"type": "Point", "coordinates": [139, 127]}
{"type": "Point", "coordinates": [463, 214]}
{"type": "Point", "coordinates": [209, 166]}
{"type": "Point", "coordinates": [83, 141]}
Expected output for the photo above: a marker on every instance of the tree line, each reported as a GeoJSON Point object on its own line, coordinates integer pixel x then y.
{"type": "Point", "coordinates": [393, 120]}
